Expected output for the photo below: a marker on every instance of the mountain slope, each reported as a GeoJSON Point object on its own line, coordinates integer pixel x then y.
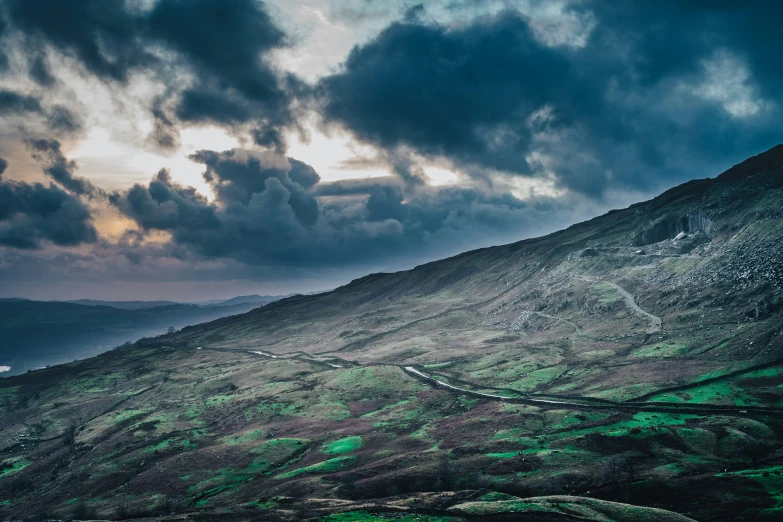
{"type": "Point", "coordinates": [244, 299]}
{"type": "Point", "coordinates": [629, 358]}
{"type": "Point", "coordinates": [724, 270]}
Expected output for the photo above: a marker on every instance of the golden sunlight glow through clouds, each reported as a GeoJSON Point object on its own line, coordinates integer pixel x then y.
{"type": "Point", "coordinates": [113, 164]}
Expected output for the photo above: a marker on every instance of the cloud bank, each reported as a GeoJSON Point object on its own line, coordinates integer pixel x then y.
{"type": "Point", "coordinates": [540, 120]}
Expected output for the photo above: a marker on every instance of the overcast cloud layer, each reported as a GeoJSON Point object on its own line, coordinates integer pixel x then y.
{"type": "Point", "coordinates": [540, 113]}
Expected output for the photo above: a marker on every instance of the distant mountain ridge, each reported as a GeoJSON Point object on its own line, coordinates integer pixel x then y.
{"type": "Point", "coordinates": [243, 299]}
{"type": "Point", "coordinates": [139, 305]}
{"type": "Point", "coordinates": [124, 305]}
{"type": "Point", "coordinates": [34, 334]}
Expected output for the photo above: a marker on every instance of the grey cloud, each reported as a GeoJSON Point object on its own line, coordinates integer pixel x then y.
{"type": "Point", "coordinates": [32, 213]}
{"type": "Point", "coordinates": [165, 134]}
{"type": "Point", "coordinates": [58, 120]}
{"type": "Point", "coordinates": [302, 173]}
{"type": "Point", "coordinates": [102, 35]}
{"type": "Point", "coordinates": [215, 57]}
{"type": "Point", "coordinates": [354, 187]}
{"type": "Point", "coordinates": [237, 176]}
{"type": "Point", "coordinates": [164, 205]}
{"type": "Point", "coordinates": [40, 73]}
{"type": "Point", "coordinates": [59, 168]}
{"type": "Point", "coordinates": [12, 102]}
{"type": "Point", "coordinates": [623, 112]}
{"type": "Point", "coordinates": [263, 215]}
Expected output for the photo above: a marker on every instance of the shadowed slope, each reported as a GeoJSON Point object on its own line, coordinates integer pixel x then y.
{"type": "Point", "coordinates": [629, 358]}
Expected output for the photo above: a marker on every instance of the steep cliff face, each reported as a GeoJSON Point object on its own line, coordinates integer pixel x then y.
{"type": "Point", "coordinates": [675, 227]}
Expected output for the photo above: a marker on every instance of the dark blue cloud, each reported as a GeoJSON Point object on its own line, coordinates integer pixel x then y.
{"type": "Point", "coordinates": [33, 213]}
{"type": "Point", "coordinates": [624, 111]}
{"type": "Point", "coordinates": [236, 177]}
{"type": "Point", "coordinates": [12, 102]}
{"type": "Point", "coordinates": [448, 92]}
{"type": "Point", "coordinates": [223, 42]}
{"type": "Point", "coordinates": [266, 212]}
{"type": "Point", "coordinates": [59, 168]}
{"type": "Point", "coordinates": [57, 119]}
{"type": "Point", "coordinates": [215, 54]}
{"type": "Point", "coordinates": [164, 205]}
{"type": "Point", "coordinates": [669, 38]}
{"type": "Point", "coordinates": [103, 35]}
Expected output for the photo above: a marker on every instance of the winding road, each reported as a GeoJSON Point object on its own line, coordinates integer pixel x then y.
{"type": "Point", "coordinates": [600, 404]}
{"type": "Point", "coordinates": [655, 321]}
{"type": "Point", "coordinates": [570, 402]}
{"type": "Point", "coordinates": [576, 402]}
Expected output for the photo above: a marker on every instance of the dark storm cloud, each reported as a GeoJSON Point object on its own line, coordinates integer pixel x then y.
{"type": "Point", "coordinates": [266, 212]}
{"type": "Point", "coordinates": [624, 111]}
{"type": "Point", "coordinates": [164, 205]}
{"type": "Point", "coordinates": [214, 59]}
{"type": "Point", "coordinates": [165, 134]}
{"type": "Point", "coordinates": [59, 168]}
{"type": "Point", "coordinates": [670, 38]}
{"type": "Point", "coordinates": [437, 89]}
{"type": "Point", "coordinates": [269, 137]}
{"type": "Point", "coordinates": [632, 107]}
{"type": "Point", "coordinates": [302, 173]}
{"type": "Point", "coordinates": [61, 121]}
{"type": "Point", "coordinates": [237, 178]}
{"type": "Point", "coordinates": [353, 187]}
{"type": "Point", "coordinates": [3, 56]}
{"type": "Point", "coordinates": [12, 102]}
{"type": "Point", "coordinates": [102, 35]}
{"type": "Point", "coordinates": [40, 73]}
{"type": "Point", "coordinates": [223, 41]}
{"type": "Point", "coordinates": [31, 213]}
{"type": "Point", "coordinates": [57, 119]}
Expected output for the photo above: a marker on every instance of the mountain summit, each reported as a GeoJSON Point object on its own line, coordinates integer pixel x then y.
{"type": "Point", "coordinates": [579, 375]}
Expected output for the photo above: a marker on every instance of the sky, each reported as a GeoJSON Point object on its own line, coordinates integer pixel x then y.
{"type": "Point", "coordinates": [201, 149]}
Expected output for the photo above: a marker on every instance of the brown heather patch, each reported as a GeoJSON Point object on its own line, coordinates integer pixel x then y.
{"type": "Point", "coordinates": [358, 408]}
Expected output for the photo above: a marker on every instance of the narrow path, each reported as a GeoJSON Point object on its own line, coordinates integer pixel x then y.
{"type": "Point", "coordinates": [566, 321]}
{"type": "Point", "coordinates": [655, 321]}
{"type": "Point", "coordinates": [575, 402]}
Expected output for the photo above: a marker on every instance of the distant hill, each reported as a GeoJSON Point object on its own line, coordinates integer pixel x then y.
{"type": "Point", "coordinates": [245, 299]}
{"type": "Point", "coordinates": [124, 305]}
{"type": "Point", "coordinates": [259, 300]}
{"type": "Point", "coordinates": [34, 334]}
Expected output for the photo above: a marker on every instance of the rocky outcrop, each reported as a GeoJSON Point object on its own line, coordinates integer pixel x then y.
{"type": "Point", "coordinates": [669, 227]}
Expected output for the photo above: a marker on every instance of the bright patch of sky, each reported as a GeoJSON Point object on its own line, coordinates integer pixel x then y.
{"type": "Point", "coordinates": [728, 81]}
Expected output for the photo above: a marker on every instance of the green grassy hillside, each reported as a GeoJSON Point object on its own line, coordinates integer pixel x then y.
{"type": "Point", "coordinates": [627, 368]}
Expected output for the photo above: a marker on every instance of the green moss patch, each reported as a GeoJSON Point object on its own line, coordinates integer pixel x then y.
{"type": "Point", "coordinates": [345, 445]}
{"type": "Point", "coordinates": [327, 466]}
{"type": "Point", "coordinates": [503, 455]}
{"type": "Point", "coordinates": [363, 516]}
{"type": "Point", "coordinates": [11, 466]}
